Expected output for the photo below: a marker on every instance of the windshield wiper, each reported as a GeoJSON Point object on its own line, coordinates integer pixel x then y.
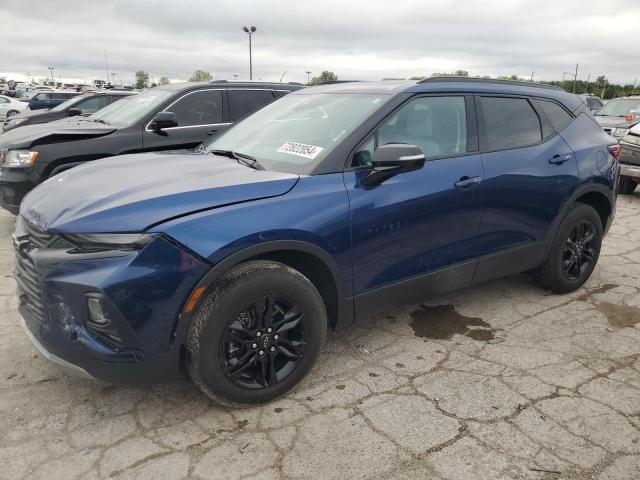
{"type": "Point", "coordinates": [99, 120]}
{"type": "Point", "coordinates": [241, 158]}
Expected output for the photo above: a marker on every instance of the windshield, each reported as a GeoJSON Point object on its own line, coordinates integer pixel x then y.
{"type": "Point", "coordinates": [296, 132]}
{"type": "Point", "coordinates": [68, 103]}
{"type": "Point", "coordinates": [135, 108]}
{"type": "Point", "coordinates": [620, 108]}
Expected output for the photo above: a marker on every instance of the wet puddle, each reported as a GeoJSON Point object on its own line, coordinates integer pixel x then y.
{"type": "Point", "coordinates": [604, 288]}
{"type": "Point", "coordinates": [441, 322]}
{"type": "Point", "coordinates": [619, 316]}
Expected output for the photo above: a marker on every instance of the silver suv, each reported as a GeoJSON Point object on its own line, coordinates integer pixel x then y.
{"type": "Point", "coordinates": [619, 115]}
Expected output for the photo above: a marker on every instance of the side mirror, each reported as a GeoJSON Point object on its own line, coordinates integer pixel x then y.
{"type": "Point", "coordinates": [392, 159]}
{"type": "Point", "coordinates": [74, 112]}
{"type": "Point", "coordinates": [164, 120]}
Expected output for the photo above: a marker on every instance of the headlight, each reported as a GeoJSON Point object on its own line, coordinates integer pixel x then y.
{"type": "Point", "coordinates": [108, 241]}
{"type": "Point", "coordinates": [18, 158]}
{"type": "Point", "coordinates": [619, 132]}
{"type": "Point", "coordinates": [15, 121]}
{"type": "Point", "coordinates": [632, 139]}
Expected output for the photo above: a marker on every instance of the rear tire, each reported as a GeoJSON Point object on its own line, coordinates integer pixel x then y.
{"type": "Point", "coordinates": [11, 113]}
{"type": "Point", "coordinates": [626, 185]}
{"type": "Point", "coordinates": [256, 335]}
{"type": "Point", "coordinates": [574, 252]}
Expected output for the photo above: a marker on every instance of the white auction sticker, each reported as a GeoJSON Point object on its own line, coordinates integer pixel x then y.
{"type": "Point", "coordinates": [300, 149]}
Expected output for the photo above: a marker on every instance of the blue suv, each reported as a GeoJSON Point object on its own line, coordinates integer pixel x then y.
{"type": "Point", "coordinates": [230, 262]}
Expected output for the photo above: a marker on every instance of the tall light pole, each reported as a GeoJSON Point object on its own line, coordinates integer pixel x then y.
{"type": "Point", "coordinates": [113, 78]}
{"type": "Point", "coordinates": [575, 79]}
{"type": "Point", "coordinates": [250, 31]}
{"type": "Point", "coordinates": [235, 76]}
{"type": "Point", "coordinates": [51, 69]}
{"type": "Point", "coordinates": [308, 77]}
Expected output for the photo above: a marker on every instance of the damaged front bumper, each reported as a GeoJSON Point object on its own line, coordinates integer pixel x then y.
{"type": "Point", "coordinates": [143, 293]}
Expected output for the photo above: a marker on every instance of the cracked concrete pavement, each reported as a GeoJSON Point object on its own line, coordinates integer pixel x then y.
{"type": "Point", "coordinates": [498, 381]}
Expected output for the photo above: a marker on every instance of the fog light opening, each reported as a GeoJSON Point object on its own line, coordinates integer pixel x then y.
{"type": "Point", "coordinates": [97, 315]}
{"type": "Point", "coordinates": [99, 323]}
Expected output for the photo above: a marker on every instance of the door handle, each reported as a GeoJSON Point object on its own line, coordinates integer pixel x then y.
{"type": "Point", "coordinates": [560, 159]}
{"type": "Point", "coordinates": [467, 182]}
{"type": "Point", "coordinates": [212, 132]}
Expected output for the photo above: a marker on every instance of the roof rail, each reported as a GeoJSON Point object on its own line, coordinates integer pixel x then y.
{"type": "Point", "coordinates": [218, 81]}
{"type": "Point", "coordinates": [521, 83]}
{"type": "Point", "coordinates": [333, 82]}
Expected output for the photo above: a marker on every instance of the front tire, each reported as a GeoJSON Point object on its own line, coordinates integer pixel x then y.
{"type": "Point", "coordinates": [256, 335]}
{"type": "Point", "coordinates": [626, 185]}
{"type": "Point", "coordinates": [574, 252]}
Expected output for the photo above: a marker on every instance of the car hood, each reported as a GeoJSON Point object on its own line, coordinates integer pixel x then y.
{"type": "Point", "coordinates": [131, 193]}
{"type": "Point", "coordinates": [64, 130]}
{"type": "Point", "coordinates": [610, 122]}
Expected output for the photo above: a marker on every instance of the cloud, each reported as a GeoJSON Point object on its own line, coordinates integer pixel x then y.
{"type": "Point", "coordinates": [363, 40]}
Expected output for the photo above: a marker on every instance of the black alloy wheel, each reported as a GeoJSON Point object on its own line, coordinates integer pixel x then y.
{"type": "Point", "coordinates": [579, 250]}
{"type": "Point", "coordinates": [263, 343]}
{"type": "Point", "coordinates": [256, 334]}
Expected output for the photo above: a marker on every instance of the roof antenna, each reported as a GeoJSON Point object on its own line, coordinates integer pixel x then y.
{"type": "Point", "coordinates": [285, 72]}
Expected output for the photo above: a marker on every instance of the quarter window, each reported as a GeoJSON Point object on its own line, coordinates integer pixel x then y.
{"type": "Point", "coordinates": [438, 125]}
{"type": "Point", "coordinates": [199, 108]}
{"type": "Point", "coordinates": [244, 102]}
{"type": "Point", "coordinates": [557, 115]}
{"type": "Point", "coordinates": [509, 123]}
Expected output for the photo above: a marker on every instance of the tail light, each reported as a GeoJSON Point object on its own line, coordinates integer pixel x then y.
{"type": "Point", "coordinates": [615, 150]}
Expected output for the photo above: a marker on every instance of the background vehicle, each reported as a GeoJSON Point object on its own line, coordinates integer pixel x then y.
{"type": "Point", "coordinates": [630, 161]}
{"type": "Point", "coordinates": [47, 99]}
{"type": "Point", "coordinates": [619, 114]}
{"type": "Point", "coordinates": [593, 102]}
{"type": "Point", "coordinates": [78, 105]}
{"type": "Point", "coordinates": [163, 118]}
{"type": "Point", "coordinates": [10, 107]}
{"type": "Point", "coordinates": [233, 260]}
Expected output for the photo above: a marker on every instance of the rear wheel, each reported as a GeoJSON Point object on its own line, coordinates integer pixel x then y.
{"type": "Point", "coordinates": [11, 113]}
{"type": "Point", "coordinates": [575, 251]}
{"type": "Point", "coordinates": [626, 185]}
{"type": "Point", "coordinates": [256, 335]}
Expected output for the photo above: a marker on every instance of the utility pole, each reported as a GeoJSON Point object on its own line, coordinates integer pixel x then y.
{"type": "Point", "coordinates": [633, 90]}
{"type": "Point", "coordinates": [532, 73]}
{"type": "Point", "coordinates": [250, 31]}
{"type": "Point", "coordinates": [51, 69]}
{"type": "Point", "coordinates": [308, 78]}
{"type": "Point", "coordinates": [603, 88]}
{"type": "Point", "coordinates": [106, 64]}
{"type": "Point", "coordinates": [113, 78]}
{"type": "Point", "coordinates": [575, 79]}
{"type": "Point", "coordinates": [586, 89]}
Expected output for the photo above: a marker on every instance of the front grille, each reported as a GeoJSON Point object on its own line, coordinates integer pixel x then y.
{"type": "Point", "coordinates": [28, 239]}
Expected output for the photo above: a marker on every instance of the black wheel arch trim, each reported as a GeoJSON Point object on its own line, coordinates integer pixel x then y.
{"type": "Point", "coordinates": [344, 305]}
{"type": "Point", "coordinates": [580, 191]}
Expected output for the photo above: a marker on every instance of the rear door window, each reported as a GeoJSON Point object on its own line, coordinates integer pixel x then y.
{"type": "Point", "coordinates": [203, 107]}
{"type": "Point", "coordinates": [557, 115]}
{"type": "Point", "coordinates": [244, 102]}
{"type": "Point", "coordinates": [92, 104]}
{"type": "Point", "coordinates": [508, 123]}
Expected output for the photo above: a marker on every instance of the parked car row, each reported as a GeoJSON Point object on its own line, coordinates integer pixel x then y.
{"type": "Point", "coordinates": [85, 105]}
{"type": "Point", "coordinates": [168, 117]}
{"type": "Point", "coordinates": [231, 261]}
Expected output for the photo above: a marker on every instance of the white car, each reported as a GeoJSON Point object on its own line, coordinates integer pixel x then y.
{"type": "Point", "coordinates": [11, 106]}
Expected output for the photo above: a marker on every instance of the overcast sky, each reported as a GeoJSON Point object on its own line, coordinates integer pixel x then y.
{"type": "Point", "coordinates": [366, 39]}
